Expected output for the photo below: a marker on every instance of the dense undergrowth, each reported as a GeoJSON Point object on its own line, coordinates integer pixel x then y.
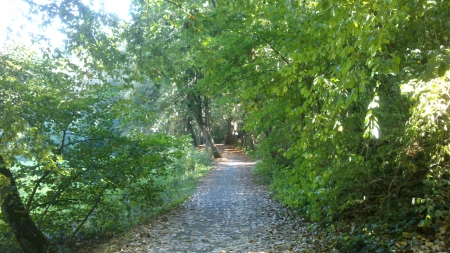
{"type": "Point", "coordinates": [374, 195]}
{"type": "Point", "coordinates": [80, 159]}
{"type": "Point", "coordinates": [124, 207]}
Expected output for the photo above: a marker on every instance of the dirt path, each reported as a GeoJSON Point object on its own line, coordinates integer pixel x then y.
{"type": "Point", "coordinates": [228, 213]}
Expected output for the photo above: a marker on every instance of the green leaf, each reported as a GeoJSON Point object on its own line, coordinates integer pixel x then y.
{"type": "Point", "coordinates": [442, 69]}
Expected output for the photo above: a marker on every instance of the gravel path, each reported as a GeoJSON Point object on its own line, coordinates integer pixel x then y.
{"type": "Point", "coordinates": [228, 213]}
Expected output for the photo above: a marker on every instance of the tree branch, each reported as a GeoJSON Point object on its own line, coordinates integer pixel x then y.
{"type": "Point", "coordinates": [61, 147]}
{"type": "Point", "coordinates": [30, 199]}
{"type": "Point", "coordinates": [46, 173]}
{"type": "Point", "coordinates": [85, 140]}
{"type": "Point", "coordinates": [97, 201]}
{"type": "Point", "coordinates": [53, 200]}
{"type": "Point", "coordinates": [276, 51]}
{"type": "Point", "coordinates": [174, 3]}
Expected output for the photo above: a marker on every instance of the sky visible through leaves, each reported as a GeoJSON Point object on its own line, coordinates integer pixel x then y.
{"type": "Point", "coordinates": [14, 25]}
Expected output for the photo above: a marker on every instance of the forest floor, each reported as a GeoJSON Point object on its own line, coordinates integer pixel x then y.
{"type": "Point", "coordinates": [230, 212]}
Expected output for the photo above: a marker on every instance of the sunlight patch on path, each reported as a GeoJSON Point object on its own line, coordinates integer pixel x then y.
{"type": "Point", "coordinates": [237, 163]}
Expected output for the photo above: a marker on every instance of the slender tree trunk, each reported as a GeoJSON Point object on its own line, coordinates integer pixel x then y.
{"type": "Point", "coordinates": [251, 143]}
{"type": "Point", "coordinates": [243, 139]}
{"type": "Point", "coordinates": [195, 106]}
{"type": "Point", "coordinates": [191, 130]}
{"type": "Point", "coordinates": [208, 120]}
{"type": "Point", "coordinates": [268, 132]}
{"type": "Point", "coordinates": [200, 138]}
{"type": "Point", "coordinates": [97, 201]}
{"type": "Point", "coordinates": [230, 139]}
{"type": "Point", "coordinates": [27, 234]}
{"type": "Point", "coordinates": [208, 138]}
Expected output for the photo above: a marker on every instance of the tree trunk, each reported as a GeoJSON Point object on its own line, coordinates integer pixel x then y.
{"type": "Point", "coordinates": [27, 234]}
{"type": "Point", "coordinates": [247, 141]}
{"type": "Point", "coordinates": [208, 120]}
{"type": "Point", "coordinates": [242, 139]}
{"type": "Point", "coordinates": [208, 138]}
{"type": "Point", "coordinates": [230, 139]}
{"type": "Point", "coordinates": [195, 106]}
{"type": "Point", "coordinates": [191, 130]}
{"type": "Point", "coordinates": [251, 143]}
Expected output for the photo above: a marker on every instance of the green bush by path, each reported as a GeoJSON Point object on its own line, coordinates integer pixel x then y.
{"type": "Point", "coordinates": [122, 208]}
{"type": "Point", "coordinates": [72, 158]}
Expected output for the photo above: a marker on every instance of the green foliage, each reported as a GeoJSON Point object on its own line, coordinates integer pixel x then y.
{"type": "Point", "coordinates": [74, 165]}
{"type": "Point", "coordinates": [428, 137]}
{"type": "Point", "coordinates": [347, 101]}
{"type": "Point", "coordinates": [186, 171]}
{"type": "Point", "coordinates": [321, 85]}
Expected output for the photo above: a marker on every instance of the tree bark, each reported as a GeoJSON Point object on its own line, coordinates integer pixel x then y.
{"type": "Point", "coordinates": [243, 139]}
{"type": "Point", "coordinates": [251, 143]}
{"type": "Point", "coordinates": [30, 238]}
{"type": "Point", "coordinates": [191, 130]}
{"type": "Point", "coordinates": [208, 120]}
{"type": "Point", "coordinates": [208, 138]}
{"type": "Point", "coordinates": [195, 106]}
{"type": "Point", "coordinates": [230, 139]}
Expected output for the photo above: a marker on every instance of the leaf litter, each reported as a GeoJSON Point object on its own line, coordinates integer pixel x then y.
{"type": "Point", "coordinates": [228, 213]}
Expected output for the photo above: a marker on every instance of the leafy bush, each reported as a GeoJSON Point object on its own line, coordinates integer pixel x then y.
{"type": "Point", "coordinates": [77, 172]}
{"type": "Point", "coordinates": [429, 141]}
{"type": "Point", "coordinates": [359, 115]}
{"type": "Point", "coordinates": [139, 196]}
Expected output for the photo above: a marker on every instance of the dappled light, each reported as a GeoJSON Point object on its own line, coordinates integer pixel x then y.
{"type": "Point", "coordinates": [229, 163]}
